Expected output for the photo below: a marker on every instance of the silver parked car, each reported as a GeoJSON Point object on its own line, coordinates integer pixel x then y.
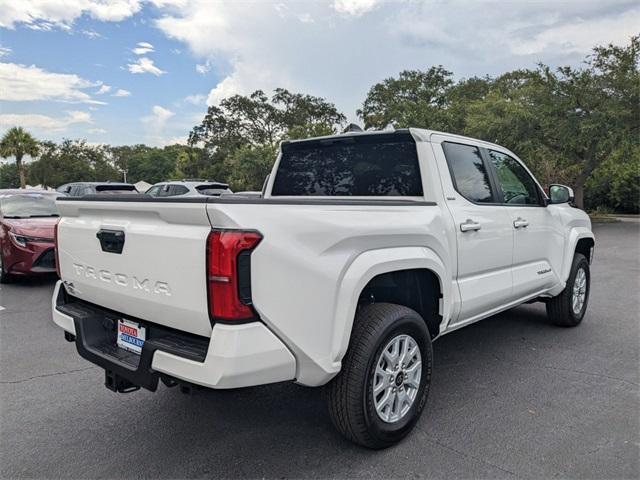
{"type": "Point", "coordinates": [188, 188]}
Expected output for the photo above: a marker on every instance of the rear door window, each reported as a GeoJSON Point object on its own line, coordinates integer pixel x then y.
{"type": "Point", "coordinates": [468, 171]}
{"type": "Point", "coordinates": [361, 165]}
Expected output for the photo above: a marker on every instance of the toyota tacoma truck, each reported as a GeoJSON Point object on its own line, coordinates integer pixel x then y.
{"type": "Point", "coordinates": [363, 249]}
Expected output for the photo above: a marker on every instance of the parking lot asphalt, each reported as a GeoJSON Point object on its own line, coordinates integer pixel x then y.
{"type": "Point", "coordinates": [512, 396]}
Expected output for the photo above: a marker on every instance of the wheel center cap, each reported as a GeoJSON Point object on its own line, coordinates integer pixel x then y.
{"type": "Point", "coordinates": [399, 379]}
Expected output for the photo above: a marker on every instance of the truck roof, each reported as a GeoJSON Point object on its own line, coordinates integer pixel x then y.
{"type": "Point", "coordinates": [421, 133]}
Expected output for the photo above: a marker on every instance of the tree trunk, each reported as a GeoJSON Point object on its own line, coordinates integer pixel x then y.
{"type": "Point", "coordinates": [20, 166]}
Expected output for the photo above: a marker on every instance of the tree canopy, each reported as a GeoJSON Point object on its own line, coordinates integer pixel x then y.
{"type": "Point", "coordinates": [17, 143]}
{"type": "Point", "coordinates": [574, 125]}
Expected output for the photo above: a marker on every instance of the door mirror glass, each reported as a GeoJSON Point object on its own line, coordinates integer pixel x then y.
{"type": "Point", "coordinates": [560, 194]}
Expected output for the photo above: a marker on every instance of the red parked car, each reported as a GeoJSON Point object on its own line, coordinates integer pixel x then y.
{"type": "Point", "coordinates": [27, 224]}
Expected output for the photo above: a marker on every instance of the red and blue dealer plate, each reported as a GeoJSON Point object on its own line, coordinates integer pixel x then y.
{"type": "Point", "coordinates": [131, 336]}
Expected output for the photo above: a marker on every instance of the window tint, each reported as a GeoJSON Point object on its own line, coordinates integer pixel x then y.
{"type": "Point", "coordinates": [470, 176]}
{"type": "Point", "coordinates": [518, 188]}
{"type": "Point", "coordinates": [153, 191]}
{"type": "Point", "coordinates": [177, 190]}
{"type": "Point", "coordinates": [212, 189]}
{"type": "Point", "coordinates": [117, 189]}
{"type": "Point", "coordinates": [366, 165]}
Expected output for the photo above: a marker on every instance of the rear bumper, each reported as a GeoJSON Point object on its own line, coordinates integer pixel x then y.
{"type": "Point", "coordinates": [235, 355]}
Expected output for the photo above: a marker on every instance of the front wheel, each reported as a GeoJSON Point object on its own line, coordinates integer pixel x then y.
{"type": "Point", "coordinates": [379, 394]}
{"type": "Point", "coordinates": [568, 308]}
{"type": "Point", "coordinates": [4, 276]}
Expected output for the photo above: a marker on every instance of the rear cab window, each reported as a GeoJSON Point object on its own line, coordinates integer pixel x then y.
{"type": "Point", "coordinates": [468, 172]}
{"type": "Point", "coordinates": [371, 165]}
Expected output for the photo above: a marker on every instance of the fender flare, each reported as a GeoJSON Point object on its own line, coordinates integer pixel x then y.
{"type": "Point", "coordinates": [575, 235]}
{"type": "Point", "coordinates": [365, 267]}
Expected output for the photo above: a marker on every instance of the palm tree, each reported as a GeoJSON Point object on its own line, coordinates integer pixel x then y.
{"type": "Point", "coordinates": [17, 142]}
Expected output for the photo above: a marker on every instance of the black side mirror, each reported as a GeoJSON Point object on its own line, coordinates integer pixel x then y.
{"type": "Point", "coordinates": [560, 194]}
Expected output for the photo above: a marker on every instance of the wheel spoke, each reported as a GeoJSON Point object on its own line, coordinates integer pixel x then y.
{"type": "Point", "coordinates": [396, 378]}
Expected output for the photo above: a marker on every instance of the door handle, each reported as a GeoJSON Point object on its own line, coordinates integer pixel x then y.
{"type": "Point", "coordinates": [520, 223]}
{"type": "Point", "coordinates": [469, 226]}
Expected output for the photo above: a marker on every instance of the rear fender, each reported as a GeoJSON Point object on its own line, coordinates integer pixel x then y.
{"type": "Point", "coordinates": [369, 265]}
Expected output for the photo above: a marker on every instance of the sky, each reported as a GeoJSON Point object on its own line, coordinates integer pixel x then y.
{"type": "Point", "coordinates": [144, 71]}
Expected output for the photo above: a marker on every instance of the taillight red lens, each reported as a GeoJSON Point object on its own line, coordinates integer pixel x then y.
{"type": "Point", "coordinates": [224, 248]}
{"type": "Point", "coordinates": [55, 248]}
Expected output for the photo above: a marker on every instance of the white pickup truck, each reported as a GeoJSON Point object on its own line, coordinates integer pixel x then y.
{"type": "Point", "coordinates": [363, 249]}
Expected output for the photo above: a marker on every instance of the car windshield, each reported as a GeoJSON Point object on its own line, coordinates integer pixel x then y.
{"type": "Point", "coordinates": [28, 205]}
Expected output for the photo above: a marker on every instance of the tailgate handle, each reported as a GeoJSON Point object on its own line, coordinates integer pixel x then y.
{"type": "Point", "coordinates": [111, 241]}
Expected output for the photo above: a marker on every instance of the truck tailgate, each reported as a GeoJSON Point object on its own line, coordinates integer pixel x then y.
{"type": "Point", "coordinates": [159, 275]}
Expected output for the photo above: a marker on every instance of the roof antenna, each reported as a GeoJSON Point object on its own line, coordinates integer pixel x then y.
{"type": "Point", "coordinates": [352, 127]}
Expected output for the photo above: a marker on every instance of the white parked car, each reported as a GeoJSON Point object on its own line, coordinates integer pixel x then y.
{"type": "Point", "coordinates": [363, 250]}
{"type": "Point", "coordinates": [188, 188]}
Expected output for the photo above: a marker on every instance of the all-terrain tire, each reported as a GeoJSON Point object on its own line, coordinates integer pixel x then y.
{"type": "Point", "coordinates": [350, 394]}
{"type": "Point", "coordinates": [560, 309]}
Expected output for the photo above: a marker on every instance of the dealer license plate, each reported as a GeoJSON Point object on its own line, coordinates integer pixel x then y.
{"type": "Point", "coordinates": [131, 336]}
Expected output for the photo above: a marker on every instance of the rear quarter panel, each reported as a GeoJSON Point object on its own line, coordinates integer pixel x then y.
{"type": "Point", "coordinates": [300, 282]}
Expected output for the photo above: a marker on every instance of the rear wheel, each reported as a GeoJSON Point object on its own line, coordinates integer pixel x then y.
{"type": "Point", "coordinates": [568, 308]}
{"type": "Point", "coordinates": [379, 394]}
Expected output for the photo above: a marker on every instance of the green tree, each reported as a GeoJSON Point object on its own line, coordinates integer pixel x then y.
{"type": "Point", "coordinates": [240, 136]}
{"type": "Point", "coordinates": [249, 165]}
{"type": "Point", "coordinates": [72, 161]}
{"type": "Point", "coordinates": [9, 177]}
{"type": "Point", "coordinates": [414, 99]}
{"type": "Point", "coordinates": [569, 120]}
{"type": "Point", "coordinates": [17, 143]}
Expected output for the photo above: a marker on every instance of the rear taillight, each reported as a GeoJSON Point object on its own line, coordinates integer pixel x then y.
{"type": "Point", "coordinates": [229, 274]}
{"type": "Point", "coordinates": [55, 248]}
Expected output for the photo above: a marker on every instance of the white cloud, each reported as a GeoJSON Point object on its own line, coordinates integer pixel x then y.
{"type": "Point", "coordinates": [44, 122]}
{"type": "Point", "coordinates": [91, 34]}
{"type": "Point", "coordinates": [343, 51]}
{"type": "Point", "coordinates": [103, 89]}
{"type": "Point", "coordinates": [97, 130]}
{"type": "Point", "coordinates": [155, 124]}
{"type": "Point", "coordinates": [121, 93]}
{"type": "Point", "coordinates": [23, 83]}
{"type": "Point", "coordinates": [4, 51]}
{"type": "Point", "coordinates": [203, 68]}
{"type": "Point", "coordinates": [143, 48]}
{"type": "Point", "coordinates": [197, 99]}
{"type": "Point", "coordinates": [144, 65]}
{"type": "Point", "coordinates": [355, 7]}
{"type": "Point", "coordinates": [180, 140]}
{"type": "Point", "coordinates": [581, 35]}
{"type": "Point", "coordinates": [48, 14]}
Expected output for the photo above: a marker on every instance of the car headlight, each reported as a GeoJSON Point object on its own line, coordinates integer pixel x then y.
{"type": "Point", "coordinates": [22, 240]}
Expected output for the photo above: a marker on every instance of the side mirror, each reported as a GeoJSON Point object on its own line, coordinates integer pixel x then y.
{"type": "Point", "coordinates": [560, 194]}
